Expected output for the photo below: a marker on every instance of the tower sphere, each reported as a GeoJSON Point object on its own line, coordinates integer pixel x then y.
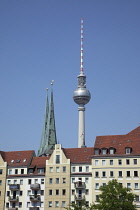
{"type": "Point", "coordinates": [81, 96]}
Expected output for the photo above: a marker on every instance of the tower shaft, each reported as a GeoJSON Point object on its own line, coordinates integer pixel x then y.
{"type": "Point", "coordinates": [81, 127]}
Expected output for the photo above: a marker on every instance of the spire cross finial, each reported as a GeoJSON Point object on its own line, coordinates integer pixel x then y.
{"type": "Point", "coordinates": [81, 47]}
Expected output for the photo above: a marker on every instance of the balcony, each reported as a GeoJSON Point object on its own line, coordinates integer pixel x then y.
{"type": "Point", "coordinates": [79, 197]}
{"type": "Point", "coordinates": [12, 208]}
{"type": "Point", "coordinates": [34, 208]}
{"type": "Point", "coordinates": [35, 186]}
{"type": "Point", "coordinates": [13, 198]}
{"type": "Point", "coordinates": [79, 185]}
{"type": "Point", "coordinates": [14, 187]}
{"type": "Point", "coordinates": [34, 198]}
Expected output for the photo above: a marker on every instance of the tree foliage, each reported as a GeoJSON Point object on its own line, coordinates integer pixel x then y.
{"type": "Point", "coordinates": [83, 206]}
{"type": "Point", "coordinates": [115, 197]}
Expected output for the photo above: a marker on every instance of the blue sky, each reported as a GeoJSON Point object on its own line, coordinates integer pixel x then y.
{"type": "Point", "coordinates": [40, 42]}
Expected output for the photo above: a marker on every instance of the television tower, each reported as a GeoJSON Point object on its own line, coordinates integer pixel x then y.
{"type": "Point", "coordinates": [81, 95]}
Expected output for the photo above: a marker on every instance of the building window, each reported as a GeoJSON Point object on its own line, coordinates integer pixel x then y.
{"type": "Point", "coordinates": [136, 197]}
{"type": "Point", "coordinates": [87, 203]}
{"type": "Point", "coordinates": [50, 203]}
{"type": "Point", "coordinates": [36, 181]}
{"type": "Point", "coordinates": [73, 192]}
{"type": "Point", "coordinates": [16, 171]}
{"type": "Point", "coordinates": [50, 180]}
{"type": "Point", "coordinates": [73, 169]}
{"type": "Point", "coordinates": [111, 162]}
{"type": "Point", "coordinates": [42, 181]}
{"type": "Point", "coordinates": [87, 191]}
{"type": "Point", "coordinates": [56, 203]}
{"type": "Point", "coordinates": [42, 192]}
{"type": "Point", "coordinates": [104, 151]}
{"type": "Point", "coordinates": [57, 180]}
{"type": "Point", "coordinates": [111, 151]}
{"type": "Point", "coordinates": [136, 173]}
{"type": "Point", "coordinates": [73, 180]}
{"type": "Point", "coordinates": [29, 181]}
{"type": "Point", "coordinates": [87, 168]}
{"type": "Point", "coordinates": [21, 182]}
{"type": "Point", "coordinates": [8, 193]}
{"type": "Point", "coordinates": [135, 161]}
{"type": "Point", "coordinates": [103, 173]}
{"type": "Point", "coordinates": [64, 180]}
{"type": "Point", "coordinates": [63, 191]}
{"type": "Point", "coordinates": [22, 171]}
{"type": "Point", "coordinates": [64, 169]}
{"type": "Point", "coordinates": [56, 192]}
{"type": "Point", "coordinates": [111, 173]}
{"type": "Point", "coordinates": [80, 168]}
{"type": "Point", "coordinates": [128, 173]}
{"type": "Point", "coordinates": [0, 182]}
{"type": "Point", "coordinates": [31, 170]}
{"type": "Point", "coordinates": [10, 171]}
{"type": "Point", "coordinates": [86, 180]}
{"type": "Point", "coordinates": [57, 159]}
{"type": "Point", "coordinates": [28, 204]}
{"type": "Point", "coordinates": [119, 162]}
{"type": "Point", "coordinates": [96, 162]}
{"type": "Point", "coordinates": [51, 169]}
{"type": "Point", "coordinates": [96, 173]}
{"type": "Point", "coordinates": [96, 151]}
{"type": "Point", "coordinates": [127, 161]}
{"type": "Point", "coordinates": [120, 173]}
{"type": "Point", "coordinates": [42, 204]}
{"type": "Point", "coordinates": [40, 170]}
{"type": "Point", "coordinates": [50, 192]}
{"type": "Point", "coordinates": [103, 162]}
{"type": "Point", "coordinates": [20, 204]}
{"type": "Point", "coordinates": [7, 205]}
{"type": "Point", "coordinates": [0, 171]}
{"type": "Point", "coordinates": [104, 184]}
{"type": "Point", "coordinates": [57, 169]}
{"type": "Point", "coordinates": [96, 186]}
{"type": "Point", "coordinates": [20, 193]}
{"type": "Point", "coordinates": [8, 182]}
{"type": "Point", "coordinates": [96, 198]}
{"type": "Point", "coordinates": [128, 185]}
{"type": "Point", "coordinates": [29, 192]}
{"type": "Point", "coordinates": [136, 186]}
{"type": "Point", "coordinates": [127, 150]}
{"type": "Point", "coordinates": [15, 181]}
{"type": "Point", "coordinates": [63, 204]}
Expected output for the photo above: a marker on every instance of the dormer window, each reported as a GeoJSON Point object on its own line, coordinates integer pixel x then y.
{"type": "Point", "coordinates": [96, 151]}
{"type": "Point", "coordinates": [128, 150]}
{"type": "Point", "coordinates": [112, 151]}
{"type": "Point", "coordinates": [104, 151]}
{"type": "Point", "coordinates": [40, 170]}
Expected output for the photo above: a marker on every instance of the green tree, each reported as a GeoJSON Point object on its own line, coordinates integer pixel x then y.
{"type": "Point", "coordinates": [82, 206]}
{"type": "Point", "coordinates": [115, 197]}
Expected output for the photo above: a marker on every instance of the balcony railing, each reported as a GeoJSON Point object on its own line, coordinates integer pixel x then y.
{"type": "Point", "coordinates": [79, 197]}
{"type": "Point", "coordinates": [34, 208]}
{"type": "Point", "coordinates": [34, 198]}
{"type": "Point", "coordinates": [13, 198]}
{"type": "Point", "coordinates": [35, 186]}
{"type": "Point", "coordinates": [14, 187]}
{"type": "Point", "coordinates": [12, 208]}
{"type": "Point", "coordinates": [80, 185]}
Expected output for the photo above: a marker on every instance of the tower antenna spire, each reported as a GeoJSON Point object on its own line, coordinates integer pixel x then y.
{"type": "Point", "coordinates": [81, 47]}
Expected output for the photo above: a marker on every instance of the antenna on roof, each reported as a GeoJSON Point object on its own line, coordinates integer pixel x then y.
{"type": "Point", "coordinates": [81, 47]}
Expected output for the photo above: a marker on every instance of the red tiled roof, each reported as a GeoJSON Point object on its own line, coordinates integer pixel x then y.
{"type": "Point", "coordinates": [120, 142]}
{"type": "Point", "coordinates": [79, 155]}
{"type": "Point", "coordinates": [18, 157]}
{"type": "Point", "coordinates": [39, 162]}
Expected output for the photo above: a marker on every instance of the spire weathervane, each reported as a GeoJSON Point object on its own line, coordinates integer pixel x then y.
{"type": "Point", "coordinates": [81, 95]}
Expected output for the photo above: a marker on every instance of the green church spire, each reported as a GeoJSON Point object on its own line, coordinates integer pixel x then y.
{"type": "Point", "coordinates": [48, 139]}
